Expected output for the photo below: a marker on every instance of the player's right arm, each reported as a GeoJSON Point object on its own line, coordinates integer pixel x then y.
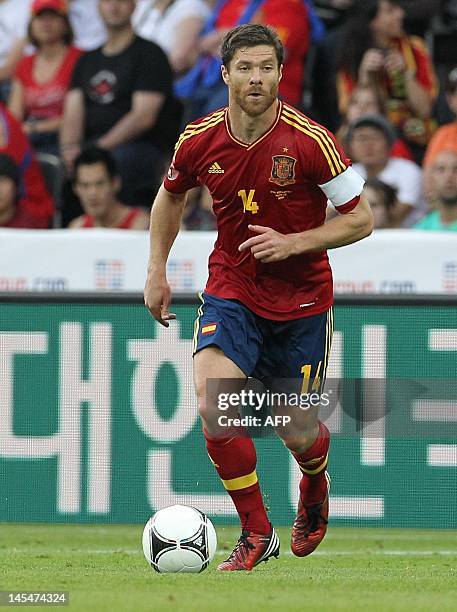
{"type": "Point", "coordinates": [166, 215]}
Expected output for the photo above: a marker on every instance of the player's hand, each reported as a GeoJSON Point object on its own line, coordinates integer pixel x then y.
{"type": "Point", "coordinates": [157, 298]}
{"type": "Point", "coordinates": [269, 245]}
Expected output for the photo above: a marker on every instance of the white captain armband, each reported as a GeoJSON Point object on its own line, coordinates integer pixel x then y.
{"type": "Point", "coordinates": [344, 189]}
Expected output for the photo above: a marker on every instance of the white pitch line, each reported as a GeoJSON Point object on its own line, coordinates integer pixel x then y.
{"type": "Point", "coordinates": [381, 553]}
{"type": "Point", "coordinates": [222, 553]}
{"type": "Point", "coordinates": [360, 535]}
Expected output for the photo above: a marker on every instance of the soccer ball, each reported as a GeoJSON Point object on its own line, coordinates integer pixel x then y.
{"type": "Point", "coordinates": [179, 539]}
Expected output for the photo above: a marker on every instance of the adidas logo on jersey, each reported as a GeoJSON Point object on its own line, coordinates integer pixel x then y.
{"type": "Point", "coordinates": [215, 169]}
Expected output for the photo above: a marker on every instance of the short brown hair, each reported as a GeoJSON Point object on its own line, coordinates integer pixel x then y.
{"type": "Point", "coordinates": [250, 35]}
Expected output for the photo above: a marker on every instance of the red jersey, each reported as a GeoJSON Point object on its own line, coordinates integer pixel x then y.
{"type": "Point", "coordinates": [126, 222]}
{"type": "Point", "coordinates": [45, 100]}
{"type": "Point", "coordinates": [282, 181]}
{"type": "Point", "coordinates": [291, 21]}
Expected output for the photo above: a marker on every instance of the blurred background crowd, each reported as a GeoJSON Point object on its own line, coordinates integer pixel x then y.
{"type": "Point", "coordinates": [93, 94]}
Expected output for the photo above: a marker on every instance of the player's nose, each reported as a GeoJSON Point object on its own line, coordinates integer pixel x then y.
{"type": "Point", "coordinates": [256, 76]}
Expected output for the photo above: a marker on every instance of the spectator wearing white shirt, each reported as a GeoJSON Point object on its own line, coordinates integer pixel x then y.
{"type": "Point", "coordinates": [370, 140]}
{"type": "Point", "coordinates": [14, 20]}
{"type": "Point", "coordinates": [175, 26]}
{"type": "Point", "coordinates": [87, 24]}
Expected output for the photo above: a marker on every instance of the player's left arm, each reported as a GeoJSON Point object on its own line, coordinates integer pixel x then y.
{"type": "Point", "coordinates": [339, 231]}
{"type": "Point", "coordinates": [269, 245]}
{"type": "Point", "coordinates": [325, 164]}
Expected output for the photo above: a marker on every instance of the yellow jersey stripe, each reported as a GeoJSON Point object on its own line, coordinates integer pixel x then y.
{"type": "Point", "coordinates": [328, 340]}
{"type": "Point", "coordinates": [326, 346]}
{"type": "Point", "coordinates": [319, 142]}
{"type": "Point", "coordinates": [191, 127]}
{"type": "Point", "coordinates": [243, 482]}
{"type": "Point", "coordinates": [206, 120]}
{"type": "Point", "coordinates": [207, 126]}
{"type": "Point", "coordinates": [319, 131]}
{"type": "Point", "coordinates": [317, 470]}
{"type": "Point", "coordinates": [197, 323]}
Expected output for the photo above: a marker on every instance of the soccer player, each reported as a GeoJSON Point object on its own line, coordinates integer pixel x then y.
{"type": "Point", "coordinates": [267, 306]}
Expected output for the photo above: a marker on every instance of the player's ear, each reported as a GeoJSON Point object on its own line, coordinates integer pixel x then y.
{"type": "Point", "coordinates": [280, 72]}
{"type": "Point", "coordinates": [225, 74]}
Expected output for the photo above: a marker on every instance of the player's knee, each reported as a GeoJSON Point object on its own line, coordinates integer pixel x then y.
{"type": "Point", "coordinates": [203, 410]}
{"type": "Point", "coordinates": [206, 409]}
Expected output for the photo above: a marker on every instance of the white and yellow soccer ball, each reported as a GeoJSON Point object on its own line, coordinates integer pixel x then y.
{"type": "Point", "coordinates": [179, 539]}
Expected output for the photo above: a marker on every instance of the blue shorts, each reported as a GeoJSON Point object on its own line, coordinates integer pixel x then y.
{"type": "Point", "coordinates": [262, 348]}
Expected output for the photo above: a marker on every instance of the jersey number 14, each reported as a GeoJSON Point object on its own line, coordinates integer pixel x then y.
{"type": "Point", "coordinates": [248, 201]}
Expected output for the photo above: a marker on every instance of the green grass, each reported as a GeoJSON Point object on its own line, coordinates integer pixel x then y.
{"type": "Point", "coordinates": [354, 569]}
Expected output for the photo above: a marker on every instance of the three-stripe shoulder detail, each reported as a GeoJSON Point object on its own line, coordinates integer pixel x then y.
{"type": "Point", "coordinates": [192, 129]}
{"type": "Point", "coordinates": [316, 132]}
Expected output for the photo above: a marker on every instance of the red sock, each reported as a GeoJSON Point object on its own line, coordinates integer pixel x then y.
{"type": "Point", "coordinates": [235, 459]}
{"type": "Point", "coordinates": [313, 483]}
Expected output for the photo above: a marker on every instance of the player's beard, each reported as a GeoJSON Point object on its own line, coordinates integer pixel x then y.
{"type": "Point", "coordinates": [255, 109]}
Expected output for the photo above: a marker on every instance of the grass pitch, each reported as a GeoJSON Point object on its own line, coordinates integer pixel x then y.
{"type": "Point", "coordinates": [103, 568]}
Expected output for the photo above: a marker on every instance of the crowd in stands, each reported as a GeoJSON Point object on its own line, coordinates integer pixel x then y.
{"type": "Point", "coordinates": [102, 88]}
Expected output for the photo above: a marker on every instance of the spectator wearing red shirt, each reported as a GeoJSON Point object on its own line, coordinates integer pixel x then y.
{"type": "Point", "coordinates": [376, 51]}
{"type": "Point", "coordinates": [32, 188]}
{"type": "Point", "coordinates": [96, 182]}
{"type": "Point", "coordinates": [13, 212]}
{"type": "Point", "coordinates": [42, 79]}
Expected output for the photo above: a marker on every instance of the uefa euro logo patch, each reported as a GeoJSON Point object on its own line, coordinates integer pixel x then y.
{"type": "Point", "coordinates": [209, 328]}
{"type": "Point", "coordinates": [283, 170]}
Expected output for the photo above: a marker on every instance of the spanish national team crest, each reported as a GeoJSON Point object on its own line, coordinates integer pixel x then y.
{"type": "Point", "coordinates": [283, 170]}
